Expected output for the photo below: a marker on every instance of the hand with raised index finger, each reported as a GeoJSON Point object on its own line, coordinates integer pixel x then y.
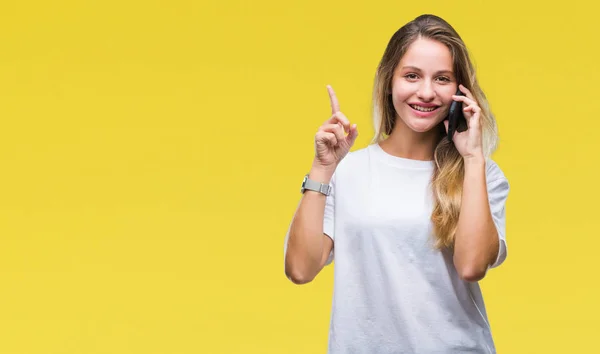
{"type": "Point", "coordinates": [335, 137]}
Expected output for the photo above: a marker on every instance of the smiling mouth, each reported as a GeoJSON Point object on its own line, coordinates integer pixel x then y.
{"type": "Point", "coordinates": [423, 109]}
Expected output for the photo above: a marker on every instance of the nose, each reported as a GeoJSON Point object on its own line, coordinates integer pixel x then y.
{"type": "Point", "coordinates": [426, 92]}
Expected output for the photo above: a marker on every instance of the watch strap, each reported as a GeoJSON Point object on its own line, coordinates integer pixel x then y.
{"type": "Point", "coordinates": [309, 184]}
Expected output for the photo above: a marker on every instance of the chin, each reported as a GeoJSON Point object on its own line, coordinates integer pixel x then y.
{"type": "Point", "coordinates": [422, 126]}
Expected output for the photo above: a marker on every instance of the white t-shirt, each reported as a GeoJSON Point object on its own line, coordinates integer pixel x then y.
{"type": "Point", "coordinates": [393, 292]}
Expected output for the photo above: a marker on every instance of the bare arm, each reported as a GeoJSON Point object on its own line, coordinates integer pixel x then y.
{"type": "Point", "coordinates": [308, 247]}
{"type": "Point", "coordinates": [476, 244]}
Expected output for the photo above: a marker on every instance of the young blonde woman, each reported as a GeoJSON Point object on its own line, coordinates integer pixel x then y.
{"type": "Point", "coordinates": [415, 219]}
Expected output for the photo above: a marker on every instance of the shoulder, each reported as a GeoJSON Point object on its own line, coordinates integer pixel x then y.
{"type": "Point", "coordinates": [359, 154]}
{"type": "Point", "coordinates": [354, 159]}
{"type": "Point", "coordinates": [352, 164]}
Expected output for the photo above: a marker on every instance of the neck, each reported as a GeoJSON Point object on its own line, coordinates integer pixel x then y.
{"type": "Point", "coordinates": [406, 143]}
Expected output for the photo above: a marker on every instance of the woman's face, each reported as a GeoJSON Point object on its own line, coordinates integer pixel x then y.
{"type": "Point", "coordinates": [423, 85]}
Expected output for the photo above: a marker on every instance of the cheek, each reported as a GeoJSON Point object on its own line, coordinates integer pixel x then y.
{"type": "Point", "coordinates": [402, 89]}
{"type": "Point", "coordinates": [400, 94]}
{"type": "Point", "coordinates": [446, 94]}
{"type": "Point", "coordinates": [398, 102]}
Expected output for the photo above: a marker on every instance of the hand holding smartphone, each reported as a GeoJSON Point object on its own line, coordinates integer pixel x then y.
{"type": "Point", "coordinates": [456, 118]}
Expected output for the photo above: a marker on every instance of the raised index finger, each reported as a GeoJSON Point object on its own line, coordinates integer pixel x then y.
{"type": "Point", "coordinates": [335, 106]}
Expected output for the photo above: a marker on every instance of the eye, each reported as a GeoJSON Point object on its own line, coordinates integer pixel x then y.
{"type": "Point", "coordinates": [444, 79]}
{"type": "Point", "coordinates": [411, 76]}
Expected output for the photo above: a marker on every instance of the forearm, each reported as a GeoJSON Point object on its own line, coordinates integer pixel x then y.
{"type": "Point", "coordinates": [476, 240]}
{"type": "Point", "coordinates": [306, 239]}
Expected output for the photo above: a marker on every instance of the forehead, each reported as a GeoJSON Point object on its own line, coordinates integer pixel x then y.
{"type": "Point", "coordinates": [427, 54]}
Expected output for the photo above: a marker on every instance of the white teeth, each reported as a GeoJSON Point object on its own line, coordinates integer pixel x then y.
{"type": "Point", "coordinates": [423, 109]}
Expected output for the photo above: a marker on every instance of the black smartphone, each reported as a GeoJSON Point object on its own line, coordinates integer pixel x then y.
{"type": "Point", "coordinates": [456, 118]}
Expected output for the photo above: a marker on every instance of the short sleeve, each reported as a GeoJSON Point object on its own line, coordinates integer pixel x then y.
{"type": "Point", "coordinates": [498, 188]}
{"type": "Point", "coordinates": [328, 218]}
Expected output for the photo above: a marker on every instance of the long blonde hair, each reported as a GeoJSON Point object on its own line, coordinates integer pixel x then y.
{"type": "Point", "coordinates": [448, 175]}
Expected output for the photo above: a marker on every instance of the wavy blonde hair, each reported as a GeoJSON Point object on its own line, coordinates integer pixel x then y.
{"type": "Point", "coordinates": [448, 175]}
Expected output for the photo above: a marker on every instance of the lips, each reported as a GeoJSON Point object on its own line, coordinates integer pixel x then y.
{"type": "Point", "coordinates": [424, 109]}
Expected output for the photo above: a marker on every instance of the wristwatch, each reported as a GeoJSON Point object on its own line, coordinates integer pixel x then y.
{"type": "Point", "coordinates": [311, 185]}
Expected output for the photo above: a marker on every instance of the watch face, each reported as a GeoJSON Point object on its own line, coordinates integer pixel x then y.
{"type": "Point", "coordinates": [303, 184]}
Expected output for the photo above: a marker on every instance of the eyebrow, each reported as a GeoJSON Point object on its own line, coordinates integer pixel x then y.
{"type": "Point", "coordinates": [417, 69]}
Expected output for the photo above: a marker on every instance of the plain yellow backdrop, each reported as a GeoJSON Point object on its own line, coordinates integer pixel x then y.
{"type": "Point", "coordinates": [152, 153]}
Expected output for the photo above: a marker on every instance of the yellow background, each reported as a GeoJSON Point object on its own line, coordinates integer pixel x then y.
{"type": "Point", "coordinates": [152, 152]}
